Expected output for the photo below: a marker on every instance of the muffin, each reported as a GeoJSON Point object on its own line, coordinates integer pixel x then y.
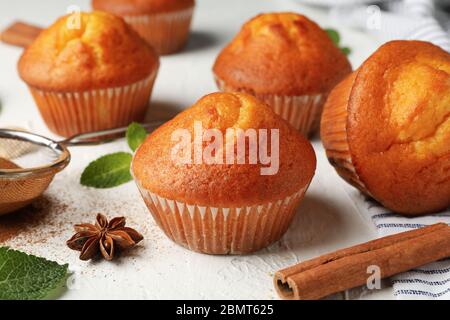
{"type": "Point", "coordinates": [224, 206]}
{"type": "Point", "coordinates": [94, 76]}
{"type": "Point", "coordinates": [287, 61]}
{"type": "Point", "coordinates": [386, 127]}
{"type": "Point", "coordinates": [164, 24]}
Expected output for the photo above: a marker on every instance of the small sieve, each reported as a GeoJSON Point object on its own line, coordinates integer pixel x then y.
{"type": "Point", "coordinates": [29, 162]}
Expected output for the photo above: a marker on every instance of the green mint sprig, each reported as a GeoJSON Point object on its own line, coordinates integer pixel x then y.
{"type": "Point", "coordinates": [108, 171]}
{"type": "Point", "coordinates": [136, 135]}
{"type": "Point", "coordinates": [27, 277]}
{"type": "Point", "coordinates": [113, 169]}
{"type": "Point", "coordinates": [336, 38]}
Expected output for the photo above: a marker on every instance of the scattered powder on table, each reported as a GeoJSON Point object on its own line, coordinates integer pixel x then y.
{"type": "Point", "coordinates": [28, 218]}
{"type": "Point", "coordinates": [48, 222]}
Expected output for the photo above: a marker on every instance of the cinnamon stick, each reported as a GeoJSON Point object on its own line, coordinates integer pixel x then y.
{"type": "Point", "coordinates": [20, 34]}
{"type": "Point", "coordinates": [348, 268]}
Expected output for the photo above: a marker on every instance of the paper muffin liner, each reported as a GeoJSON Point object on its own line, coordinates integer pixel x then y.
{"type": "Point", "coordinates": [71, 113]}
{"type": "Point", "coordinates": [220, 230]}
{"type": "Point", "coordinates": [302, 112]}
{"type": "Point", "coordinates": [334, 138]}
{"type": "Point", "coordinates": [165, 32]}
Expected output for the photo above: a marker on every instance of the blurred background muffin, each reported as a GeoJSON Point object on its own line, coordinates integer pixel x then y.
{"type": "Point", "coordinates": [88, 72]}
{"type": "Point", "coordinates": [164, 24]}
{"type": "Point", "coordinates": [224, 208]}
{"type": "Point", "coordinates": [287, 61]}
{"type": "Point", "coordinates": [386, 128]}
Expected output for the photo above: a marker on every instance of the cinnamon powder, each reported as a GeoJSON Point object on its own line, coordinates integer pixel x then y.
{"type": "Point", "coordinates": [28, 218]}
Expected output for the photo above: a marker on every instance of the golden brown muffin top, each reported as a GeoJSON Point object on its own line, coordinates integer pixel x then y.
{"type": "Point", "coordinates": [141, 7]}
{"type": "Point", "coordinates": [399, 126]}
{"type": "Point", "coordinates": [101, 52]}
{"type": "Point", "coordinates": [229, 185]}
{"type": "Point", "coordinates": [282, 54]}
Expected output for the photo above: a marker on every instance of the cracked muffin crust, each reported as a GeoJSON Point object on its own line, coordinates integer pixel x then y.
{"type": "Point", "coordinates": [286, 60]}
{"type": "Point", "coordinates": [386, 128]}
{"type": "Point", "coordinates": [224, 184]}
{"type": "Point", "coordinates": [282, 54]}
{"type": "Point", "coordinates": [102, 52]}
{"type": "Point", "coordinates": [89, 72]}
{"type": "Point", "coordinates": [224, 208]}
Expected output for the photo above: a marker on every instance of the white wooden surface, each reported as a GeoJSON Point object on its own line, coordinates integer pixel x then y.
{"type": "Point", "coordinates": [159, 269]}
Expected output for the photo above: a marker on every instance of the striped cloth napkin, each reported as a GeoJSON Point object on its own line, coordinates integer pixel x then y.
{"type": "Point", "coordinates": [399, 19]}
{"type": "Point", "coordinates": [418, 20]}
{"type": "Point", "coordinates": [431, 281]}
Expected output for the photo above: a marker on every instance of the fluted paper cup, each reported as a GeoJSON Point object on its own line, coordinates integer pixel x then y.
{"type": "Point", "coordinates": [302, 112]}
{"type": "Point", "coordinates": [333, 133]}
{"type": "Point", "coordinates": [71, 113]}
{"type": "Point", "coordinates": [165, 32]}
{"type": "Point", "coordinates": [221, 230]}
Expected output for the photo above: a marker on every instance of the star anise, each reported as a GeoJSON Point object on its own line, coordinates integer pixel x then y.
{"type": "Point", "coordinates": [106, 237]}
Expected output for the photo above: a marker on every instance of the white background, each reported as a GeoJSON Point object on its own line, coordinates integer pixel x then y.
{"type": "Point", "coordinates": [327, 219]}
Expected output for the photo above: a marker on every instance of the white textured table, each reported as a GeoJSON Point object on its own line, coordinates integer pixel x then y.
{"type": "Point", "coordinates": [159, 269]}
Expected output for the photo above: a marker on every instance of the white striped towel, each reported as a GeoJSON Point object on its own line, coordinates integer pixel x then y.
{"type": "Point", "coordinates": [406, 19]}
{"type": "Point", "coordinates": [414, 19]}
{"type": "Point", "coordinates": [427, 282]}
{"type": "Point", "coordinates": [418, 20]}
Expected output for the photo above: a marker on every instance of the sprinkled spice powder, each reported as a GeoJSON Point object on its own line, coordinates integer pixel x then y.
{"type": "Point", "coordinates": [24, 220]}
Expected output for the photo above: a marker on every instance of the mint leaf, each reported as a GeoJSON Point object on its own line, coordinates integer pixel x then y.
{"type": "Point", "coordinates": [136, 135]}
{"type": "Point", "coordinates": [346, 50]}
{"type": "Point", "coordinates": [334, 36]}
{"type": "Point", "coordinates": [27, 277]}
{"type": "Point", "coordinates": [108, 171]}
{"type": "Point", "coordinates": [113, 169]}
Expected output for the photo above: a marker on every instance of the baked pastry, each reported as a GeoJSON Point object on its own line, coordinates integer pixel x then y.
{"type": "Point", "coordinates": [386, 128]}
{"type": "Point", "coordinates": [224, 207]}
{"type": "Point", "coordinates": [287, 61]}
{"type": "Point", "coordinates": [92, 76]}
{"type": "Point", "coordinates": [164, 24]}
